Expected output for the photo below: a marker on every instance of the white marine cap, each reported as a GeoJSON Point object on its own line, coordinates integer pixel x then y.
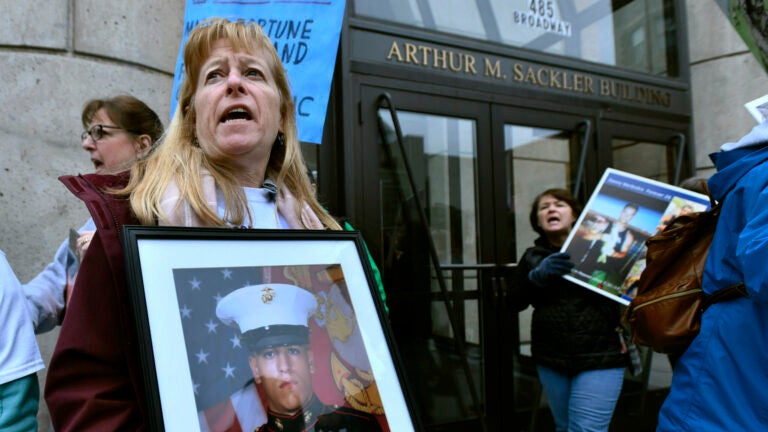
{"type": "Point", "coordinates": [269, 315]}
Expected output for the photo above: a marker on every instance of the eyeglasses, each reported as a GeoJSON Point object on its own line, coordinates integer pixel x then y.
{"type": "Point", "coordinates": [96, 132]}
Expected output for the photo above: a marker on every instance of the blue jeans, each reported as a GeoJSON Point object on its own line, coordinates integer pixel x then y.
{"type": "Point", "coordinates": [583, 402]}
{"type": "Point", "coordinates": [19, 400]}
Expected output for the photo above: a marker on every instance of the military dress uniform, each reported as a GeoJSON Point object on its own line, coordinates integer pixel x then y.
{"type": "Point", "coordinates": [317, 417]}
{"type": "Point", "coordinates": [273, 315]}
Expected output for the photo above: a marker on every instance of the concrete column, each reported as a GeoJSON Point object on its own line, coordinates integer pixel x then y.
{"type": "Point", "coordinates": [54, 56]}
{"type": "Point", "coordinates": [724, 76]}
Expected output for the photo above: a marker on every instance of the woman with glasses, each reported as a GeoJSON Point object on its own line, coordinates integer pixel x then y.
{"type": "Point", "coordinates": [230, 158]}
{"type": "Point", "coordinates": [118, 131]}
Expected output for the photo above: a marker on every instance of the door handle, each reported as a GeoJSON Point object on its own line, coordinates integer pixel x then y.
{"type": "Point", "coordinates": [496, 288]}
{"type": "Point", "coordinates": [505, 271]}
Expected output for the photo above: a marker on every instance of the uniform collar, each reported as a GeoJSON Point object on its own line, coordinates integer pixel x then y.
{"type": "Point", "coordinates": [301, 421]}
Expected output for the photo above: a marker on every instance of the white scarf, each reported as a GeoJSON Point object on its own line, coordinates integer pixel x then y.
{"type": "Point", "coordinates": [178, 212]}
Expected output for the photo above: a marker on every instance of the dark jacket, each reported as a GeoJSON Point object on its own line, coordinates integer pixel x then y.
{"type": "Point", "coordinates": [94, 380]}
{"type": "Point", "coordinates": [573, 329]}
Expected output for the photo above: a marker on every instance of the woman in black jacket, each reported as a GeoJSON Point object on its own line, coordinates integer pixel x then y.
{"type": "Point", "coordinates": [574, 339]}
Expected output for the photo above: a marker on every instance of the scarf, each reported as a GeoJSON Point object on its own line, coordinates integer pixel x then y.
{"type": "Point", "coordinates": [178, 212]}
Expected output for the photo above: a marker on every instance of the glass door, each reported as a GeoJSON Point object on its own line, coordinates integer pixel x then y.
{"type": "Point", "coordinates": [443, 205]}
{"type": "Point", "coordinates": [533, 151]}
{"type": "Point", "coordinates": [442, 190]}
{"type": "Point", "coordinates": [424, 202]}
{"type": "Point", "coordinates": [658, 152]}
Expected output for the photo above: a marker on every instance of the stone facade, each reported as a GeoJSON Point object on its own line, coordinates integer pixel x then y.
{"type": "Point", "coordinates": [724, 76]}
{"type": "Point", "coordinates": [55, 56]}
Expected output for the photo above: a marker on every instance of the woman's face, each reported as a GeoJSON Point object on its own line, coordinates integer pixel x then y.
{"type": "Point", "coordinates": [237, 106]}
{"type": "Point", "coordinates": [555, 216]}
{"type": "Point", "coordinates": [115, 151]}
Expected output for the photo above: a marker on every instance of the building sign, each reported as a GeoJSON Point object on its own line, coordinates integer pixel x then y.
{"type": "Point", "coordinates": [528, 74]}
{"type": "Point", "coordinates": [306, 36]}
{"type": "Point", "coordinates": [541, 15]}
{"type": "Point", "coordinates": [515, 73]}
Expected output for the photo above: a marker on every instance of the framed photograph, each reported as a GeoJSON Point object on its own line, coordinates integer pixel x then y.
{"type": "Point", "coordinates": [240, 325]}
{"type": "Point", "coordinates": [608, 241]}
{"type": "Point", "coordinates": [758, 108]}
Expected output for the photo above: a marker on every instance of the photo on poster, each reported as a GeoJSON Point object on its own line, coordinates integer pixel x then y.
{"type": "Point", "coordinates": [608, 242]}
{"type": "Point", "coordinates": [221, 312]}
{"type": "Point", "coordinates": [758, 108]}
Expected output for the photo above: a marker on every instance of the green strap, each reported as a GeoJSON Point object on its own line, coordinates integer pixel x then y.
{"type": "Point", "coordinates": [374, 268]}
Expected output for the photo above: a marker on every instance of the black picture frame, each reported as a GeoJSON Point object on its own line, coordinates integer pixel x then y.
{"type": "Point", "coordinates": [193, 367]}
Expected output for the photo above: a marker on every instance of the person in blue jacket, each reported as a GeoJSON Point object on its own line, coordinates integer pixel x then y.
{"type": "Point", "coordinates": [719, 382]}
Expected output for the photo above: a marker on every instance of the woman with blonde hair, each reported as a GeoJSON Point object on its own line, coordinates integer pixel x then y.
{"type": "Point", "coordinates": [196, 154]}
{"type": "Point", "coordinates": [230, 158]}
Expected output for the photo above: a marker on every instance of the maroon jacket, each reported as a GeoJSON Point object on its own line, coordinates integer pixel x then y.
{"type": "Point", "coordinates": [94, 380]}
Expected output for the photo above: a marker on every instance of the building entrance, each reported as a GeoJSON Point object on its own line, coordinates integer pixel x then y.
{"type": "Point", "coordinates": [444, 193]}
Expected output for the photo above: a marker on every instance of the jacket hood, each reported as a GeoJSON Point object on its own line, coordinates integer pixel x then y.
{"type": "Point", "coordinates": [737, 159]}
{"type": "Point", "coordinates": [758, 135]}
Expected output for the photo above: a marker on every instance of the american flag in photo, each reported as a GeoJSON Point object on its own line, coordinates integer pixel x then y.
{"type": "Point", "coordinates": [218, 363]}
{"type": "Point", "coordinates": [227, 400]}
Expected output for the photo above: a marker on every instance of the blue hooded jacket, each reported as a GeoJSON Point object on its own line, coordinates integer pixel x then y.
{"type": "Point", "coordinates": [721, 382]}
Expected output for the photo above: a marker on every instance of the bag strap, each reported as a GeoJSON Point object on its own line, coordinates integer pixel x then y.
{"type": "Point", "coordinates": [705, 188]}
{"type": "Point", "coordinates": [730, 293]}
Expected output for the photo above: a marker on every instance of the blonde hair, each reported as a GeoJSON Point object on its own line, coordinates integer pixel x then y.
{"type": "Point", "coordinates": [179, 158]}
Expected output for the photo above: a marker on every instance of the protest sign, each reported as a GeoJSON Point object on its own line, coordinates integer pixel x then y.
{"type": "Point", "coordinates": [306, 36]}
{"type": "Point", "coordinates": [608, 241]}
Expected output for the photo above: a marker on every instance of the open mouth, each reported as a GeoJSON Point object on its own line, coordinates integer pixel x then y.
{"type": "Point", "coordinates": [97, 164]}
{"type": "Point", "coordinates": [235, 114]}
{"type": "Point", "coordinates": [553, 219]}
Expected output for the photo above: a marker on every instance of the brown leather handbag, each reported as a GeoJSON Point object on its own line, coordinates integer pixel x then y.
{"type": "Point", "coordinates": [666, 312]}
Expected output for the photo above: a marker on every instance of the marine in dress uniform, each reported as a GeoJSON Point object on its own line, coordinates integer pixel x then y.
{"type": "Point", "coordinates": [273, 321]}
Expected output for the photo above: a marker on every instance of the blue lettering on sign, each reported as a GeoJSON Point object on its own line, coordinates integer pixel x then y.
{"type": "Point", "coordinates": [290, 29]}
{"type": "Point", "coordinates": [306, 39]}
{"type": "Point", "coordinates": [303, 105]}
{"type": "Point", "coordinates": [292, 53]}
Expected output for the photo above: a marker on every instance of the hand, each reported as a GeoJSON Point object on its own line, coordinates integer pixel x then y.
{"type": "Point", "coordinates": [83, 242]}
{"type": "Point", "coordinates": [551, 267]}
